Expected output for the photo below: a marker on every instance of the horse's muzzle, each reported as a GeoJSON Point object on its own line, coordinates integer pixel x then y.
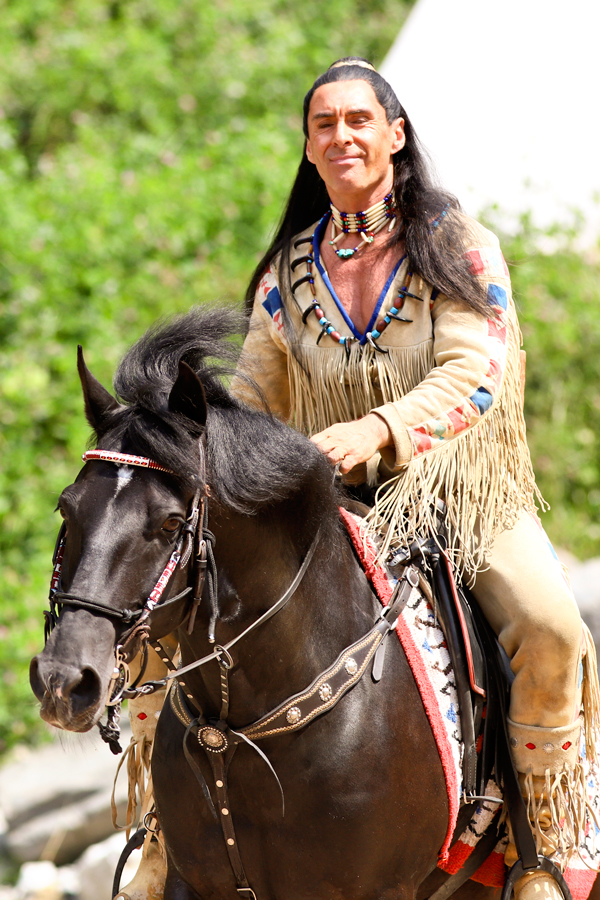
{"type": "Point", "coordinates": [71, 698]}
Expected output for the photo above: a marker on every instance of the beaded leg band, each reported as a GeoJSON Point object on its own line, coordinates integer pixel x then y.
{"type": "Point", "coordinates": [553, 785]}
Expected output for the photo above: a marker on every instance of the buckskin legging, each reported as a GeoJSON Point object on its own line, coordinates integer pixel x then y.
{"type": "Point", "coordinates": [526, 599]}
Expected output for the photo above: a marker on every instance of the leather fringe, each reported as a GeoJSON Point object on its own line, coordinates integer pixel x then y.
{"type": "Point", "coordinates": [590, 698]}
{"type": "Point", "coordinates": [326, 387]}
{"type": "Point", "coordinates": [137, 757]}
{"type": "Point", "coordinates": [556, 805]}
{"type": "Point", "coordinates": [484, 475]}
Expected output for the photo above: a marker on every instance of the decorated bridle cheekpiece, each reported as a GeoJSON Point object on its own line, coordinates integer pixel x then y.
{"type": "Point", "coordinates": [137, 619]}
{"type": "Point", "coordinates": [178, 556]}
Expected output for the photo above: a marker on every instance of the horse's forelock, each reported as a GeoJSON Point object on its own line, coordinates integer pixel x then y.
{"type": "Point", "coordinates": [201, 338]}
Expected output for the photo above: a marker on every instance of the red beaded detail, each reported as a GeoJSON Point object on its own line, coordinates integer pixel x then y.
{"type": "Point", "coordinates": [126, 459]}
{"type": "Point", "coordinates": [530, 746]}
{"type": "Point", "coordinates": [142, 716]}
{"type": "Point", "coordinates": [567, 745]}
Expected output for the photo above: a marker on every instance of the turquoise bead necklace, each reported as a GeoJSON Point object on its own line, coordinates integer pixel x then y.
{"type": "Point", "coordinates": [367, 223]}
{"type": "Point", "coordinates": [394, 313]}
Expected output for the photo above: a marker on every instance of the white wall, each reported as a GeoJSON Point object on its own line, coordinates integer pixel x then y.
{"type": "Point", "coordinates": [506, 97]}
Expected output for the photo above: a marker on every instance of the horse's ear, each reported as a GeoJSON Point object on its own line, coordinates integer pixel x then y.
{"type": "Point", "coordinates": [187, 395]}
{"type": "Point", "coordinates": [98, 402]}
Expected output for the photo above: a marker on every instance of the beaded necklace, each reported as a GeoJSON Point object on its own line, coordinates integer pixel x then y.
{"type": "Point", "coordinates": [367, 224]}
{"type": "Point", "coordinates": [326, 327]}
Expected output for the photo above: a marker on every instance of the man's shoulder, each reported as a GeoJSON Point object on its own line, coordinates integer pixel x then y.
{"type": "Point", "coordinates": [482, 248]}
{"type": "Point", "coordinates": [476, 234]}
{"type": "Point", "coordinates": [273, 271]}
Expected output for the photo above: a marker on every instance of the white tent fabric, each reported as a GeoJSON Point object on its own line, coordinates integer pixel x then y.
{"type": "Point", "coordinates": [505, 96]}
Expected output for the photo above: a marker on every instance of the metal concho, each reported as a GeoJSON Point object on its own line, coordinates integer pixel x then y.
{"type": "Point", "coordinates": [212, 739]}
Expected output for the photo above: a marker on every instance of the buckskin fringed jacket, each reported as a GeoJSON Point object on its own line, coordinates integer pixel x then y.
{"type": "Point", "coordinates": [449, 389]}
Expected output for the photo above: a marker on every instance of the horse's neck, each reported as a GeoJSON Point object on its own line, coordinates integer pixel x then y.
{"type": "Point", "coordinates": [332, 606]}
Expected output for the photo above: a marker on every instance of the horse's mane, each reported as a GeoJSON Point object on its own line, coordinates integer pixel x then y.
{"type": "Point", "coordinates": [253, 459]}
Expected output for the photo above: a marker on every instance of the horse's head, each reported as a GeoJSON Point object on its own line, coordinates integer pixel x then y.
{"type": "Point", "coordinates": [123, 527]}
{"type": "Point", "coordinates": [127, 526]}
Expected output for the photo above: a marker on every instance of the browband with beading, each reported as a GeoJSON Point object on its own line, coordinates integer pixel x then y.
{"type": "Point", "coordinates": [126, 459]}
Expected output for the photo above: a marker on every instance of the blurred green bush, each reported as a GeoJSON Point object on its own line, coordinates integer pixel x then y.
{"type": "Point", "coordinates": [558, 298]}
{"type": "Point", "coordinates": [146, 147]}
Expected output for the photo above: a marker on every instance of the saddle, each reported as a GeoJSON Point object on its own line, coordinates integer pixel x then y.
{"type": "Point", "coordinates": [483, 681]}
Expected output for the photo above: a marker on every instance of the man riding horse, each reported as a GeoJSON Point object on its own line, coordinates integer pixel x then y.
{"type": "Point", "coordinates": [382, 325]}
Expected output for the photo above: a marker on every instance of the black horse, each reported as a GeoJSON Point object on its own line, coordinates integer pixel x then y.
{"type": "Point", "coordinates": [366, 809]}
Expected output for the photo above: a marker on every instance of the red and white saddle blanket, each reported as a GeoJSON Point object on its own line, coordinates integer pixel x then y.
{"type": "Point", "coordinates": [425, 648]}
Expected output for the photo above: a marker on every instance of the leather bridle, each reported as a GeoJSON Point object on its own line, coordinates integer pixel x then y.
{"type": "Point", "coordinates": [179, 557]}
{"type": "Point", "coordinates": [195, 535]}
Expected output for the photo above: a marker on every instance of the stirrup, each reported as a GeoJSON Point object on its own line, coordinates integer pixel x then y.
{"type": "Point", "coordinates": [546, 865]}
{"type": "Point", "coordinates": [134, 843]}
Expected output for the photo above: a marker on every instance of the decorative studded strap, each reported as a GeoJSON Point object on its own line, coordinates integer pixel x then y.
{"type": "Point", "coordinates": [125, 459]}
{"type": "Point", "coordinates": [218, 765]}
{"type": "Point", "coordinates": [331, 685]}
{"type": "Point", "coordinates": [323, 693]}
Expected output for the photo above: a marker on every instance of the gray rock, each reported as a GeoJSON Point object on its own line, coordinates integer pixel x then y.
{"type": "Point", "coordinates": [39, 881]}
{"type": "Point", "coordinates": [8, 893]}
{"type": "Point", "coordinates": [56, 800]}
{"type": "Point", "coordinates": [62, 834]}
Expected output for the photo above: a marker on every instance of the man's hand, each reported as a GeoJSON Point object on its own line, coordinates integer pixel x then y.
{"type": "Point", "coordinates": [352, 443]}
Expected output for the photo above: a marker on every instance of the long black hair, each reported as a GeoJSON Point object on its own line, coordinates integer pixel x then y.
{"type": "Point", "coordinates": [435, 254]}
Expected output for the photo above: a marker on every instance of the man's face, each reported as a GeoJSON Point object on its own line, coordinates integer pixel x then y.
{"type": "Point", "coordinates": [350, 141]}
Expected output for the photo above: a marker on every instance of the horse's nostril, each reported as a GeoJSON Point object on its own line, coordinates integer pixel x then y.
{"type": "Point", "coordinates": [85, 691]}
{"type": "Point", "coordinates": [37, 685]}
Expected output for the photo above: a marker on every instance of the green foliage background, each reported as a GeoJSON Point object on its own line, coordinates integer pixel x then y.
{"type": "Point", "coordinates": [146, 147]}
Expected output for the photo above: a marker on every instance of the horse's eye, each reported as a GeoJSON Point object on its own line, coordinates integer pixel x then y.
{"type": "Point", "coordinates": [171, 525]}
{"type": "Point", "coordinates": [62, 512]}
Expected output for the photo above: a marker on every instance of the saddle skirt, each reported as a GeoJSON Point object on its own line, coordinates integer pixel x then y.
{"type": "Point", "coordinates": [424, 644]}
